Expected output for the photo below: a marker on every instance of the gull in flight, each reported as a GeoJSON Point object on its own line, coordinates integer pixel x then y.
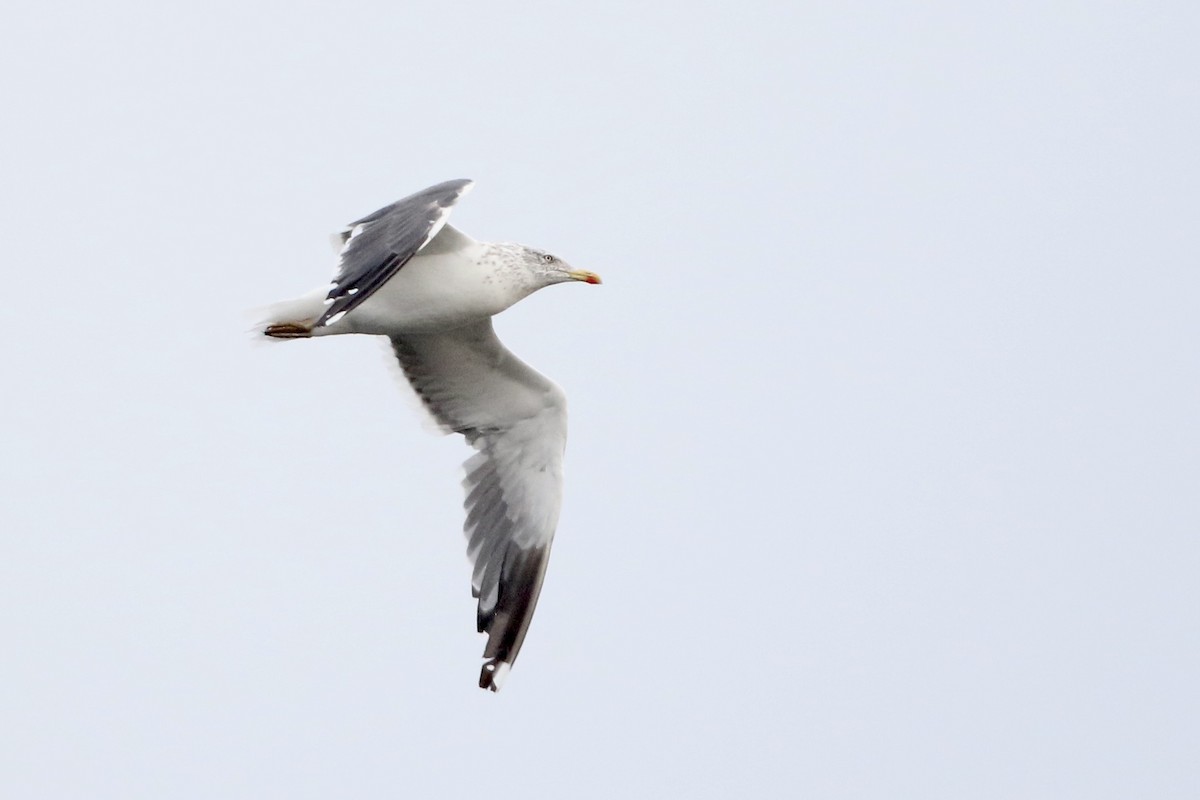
{"type": "Point", "coordinates": [404, 273]}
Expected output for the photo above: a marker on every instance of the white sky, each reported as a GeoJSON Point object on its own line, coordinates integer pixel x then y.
{"type": "Point", "coordinates": [884, 462]}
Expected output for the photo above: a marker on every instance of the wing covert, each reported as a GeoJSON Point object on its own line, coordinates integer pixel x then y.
{"type": "Point", "coordinates": [376, 247]}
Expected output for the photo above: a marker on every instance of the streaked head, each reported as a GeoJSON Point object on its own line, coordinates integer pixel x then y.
{"type": "Point", "coordinates": [552, 269]}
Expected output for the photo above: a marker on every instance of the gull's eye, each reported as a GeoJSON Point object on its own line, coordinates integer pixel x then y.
{"type": "Point", "coordinates": [549, 259]}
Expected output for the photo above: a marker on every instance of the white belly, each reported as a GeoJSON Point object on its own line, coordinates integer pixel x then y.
{"type": "Point", "coordinates": [429, 293]}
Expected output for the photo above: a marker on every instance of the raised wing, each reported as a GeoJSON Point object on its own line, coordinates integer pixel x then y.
{"type": "Point", "coordinates": [374, 248]}
{"type": "Point", "coordinates": [517, 420]}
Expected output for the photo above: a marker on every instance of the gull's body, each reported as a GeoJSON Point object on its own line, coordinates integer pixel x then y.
{"type": "Point", "coordinates": [405, 274]}
{"type": "Point", "coordinates": [437, 291]}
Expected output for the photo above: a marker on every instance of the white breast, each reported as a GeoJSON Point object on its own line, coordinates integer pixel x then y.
{"type": "Point", "coordinates": [435, 292]}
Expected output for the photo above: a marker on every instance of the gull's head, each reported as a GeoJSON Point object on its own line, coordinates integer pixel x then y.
{"type": "Point", "coordinates": [551, 269]}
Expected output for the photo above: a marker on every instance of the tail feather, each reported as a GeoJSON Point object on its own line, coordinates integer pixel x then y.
{"type": "Point", "coordinates": [293, 319]}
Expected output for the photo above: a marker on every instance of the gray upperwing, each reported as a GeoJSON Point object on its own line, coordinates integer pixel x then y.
{"type": "Point", "coordinates": [448, 240]}
{"type": "Point", "coordinates": [375, 247]}
{"type": "Point", "coordinates": [516, 419]}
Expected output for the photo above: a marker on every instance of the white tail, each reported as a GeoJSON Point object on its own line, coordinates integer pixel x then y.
{"type": "Point", "coordinates": [292, 319]}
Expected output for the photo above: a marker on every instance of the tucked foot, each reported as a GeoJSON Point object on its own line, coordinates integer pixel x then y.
{"type": "Point", "coordinates": [288, 330]}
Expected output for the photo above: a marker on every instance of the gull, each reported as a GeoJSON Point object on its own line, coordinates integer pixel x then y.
{"type": "Point", "coordinates": [406, 274]}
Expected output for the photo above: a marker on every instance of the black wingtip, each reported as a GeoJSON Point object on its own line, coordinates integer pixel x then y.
{"type": "Point", "coordinates": [493, 674]}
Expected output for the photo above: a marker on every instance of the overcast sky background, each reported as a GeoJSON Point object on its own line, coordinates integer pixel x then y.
{"type": "Point", "coordinates": [884, 467]}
